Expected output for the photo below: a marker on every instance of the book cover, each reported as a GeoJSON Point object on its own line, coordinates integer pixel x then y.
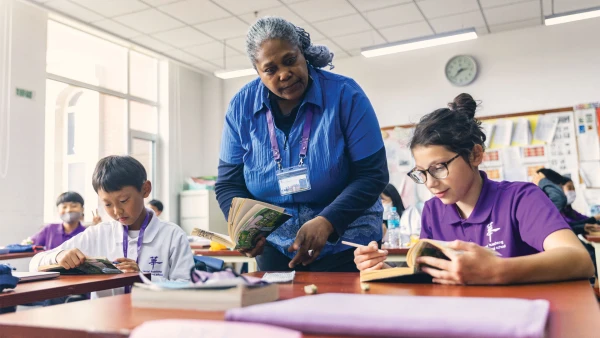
{"type": "Point", "coordinates": [91, 266]}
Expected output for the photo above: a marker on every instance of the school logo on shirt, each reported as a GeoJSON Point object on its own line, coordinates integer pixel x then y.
{"type": "Point", "coordinates": [490, 231]}
{"type": "Point", "coordinates": [154, 261]}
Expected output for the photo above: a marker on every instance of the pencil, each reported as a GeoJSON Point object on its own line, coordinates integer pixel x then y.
{"type": "Point", "coordinates": [359, 246]}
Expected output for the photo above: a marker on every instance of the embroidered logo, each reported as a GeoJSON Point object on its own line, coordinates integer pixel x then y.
{"type": "Point", "coordinates": [154, 261]}
{"type": "Point", "coordinates": [491, 230]}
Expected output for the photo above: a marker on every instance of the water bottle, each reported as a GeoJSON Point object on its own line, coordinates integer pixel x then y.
{"type": "Point", "coordinates": [404, 229]}
{"type": "Point", "coordinates": [394, 228]}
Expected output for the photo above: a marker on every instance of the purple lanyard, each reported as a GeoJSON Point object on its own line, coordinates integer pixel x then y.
{"type": "Point", "coordinates": [303, 142]}
{"type": "Point", "coordinates": [139, 242]}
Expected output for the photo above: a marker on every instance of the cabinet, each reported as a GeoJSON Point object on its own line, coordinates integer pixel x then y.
{"type": "Point", "coordinates": [200, 209]}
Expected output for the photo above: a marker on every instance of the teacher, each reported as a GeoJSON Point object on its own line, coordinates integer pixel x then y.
{"type": "Point", "coordinates": [306, 140]}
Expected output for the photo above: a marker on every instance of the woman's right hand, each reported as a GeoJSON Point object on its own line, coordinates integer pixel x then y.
{"type": "Point", "coordinates": [370, 257]}
{"type": "Point", "coordinates": [258, 248]}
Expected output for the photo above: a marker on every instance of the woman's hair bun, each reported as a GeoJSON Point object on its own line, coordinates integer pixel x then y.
{"type": "Point", "coordinates": [464, 103]}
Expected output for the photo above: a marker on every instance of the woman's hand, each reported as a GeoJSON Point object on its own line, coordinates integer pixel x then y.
{"type": "Point", "coordinates": [310, 240]}
{"type": "Point", "coordinates": [474, 265]}
{"type": "Point", "coordinates": [370, 257]}
{"type": "Point", "coordinates": [127, 265]}
{"type": "Point", "coordinates": [258, 248]}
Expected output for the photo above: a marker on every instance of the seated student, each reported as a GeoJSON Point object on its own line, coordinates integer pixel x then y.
{"type": "Point", "coordinates": [136, 239]}
{"type": "Point", "coordinates": [515, 219]}
{"type": "Point", "coordinates": [156, 206]}
{"type": "Point", "coordinates": [70, 210]}
{"type": "Point", "coordinates": [390, 198]}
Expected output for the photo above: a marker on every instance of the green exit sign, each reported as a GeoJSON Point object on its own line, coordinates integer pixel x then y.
{"type": "Point", "coordinates": [28, 94]}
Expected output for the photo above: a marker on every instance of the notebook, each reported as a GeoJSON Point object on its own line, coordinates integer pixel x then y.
{"type": "Point", "coordinates": [402, 316]}
{"type": "Point", "coordinates": [34, 276]}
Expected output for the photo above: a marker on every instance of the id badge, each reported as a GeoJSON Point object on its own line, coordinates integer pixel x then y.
{"type": "Point", "coordinates": [293, 180]}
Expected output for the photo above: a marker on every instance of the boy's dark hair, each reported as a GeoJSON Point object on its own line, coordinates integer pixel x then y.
{"type": "Point", "coordinates": [69, 197]}
{"type": "Point", "coordinates": [391, 191]}
{"type": "Point", "coordinates": [454, 128]}
{"type": "Point", "coordinates": [113, 173]}
{"type": "Point", "coordinates": [553, 176]}
{"type": "Point", "coordinates": [157, 204]}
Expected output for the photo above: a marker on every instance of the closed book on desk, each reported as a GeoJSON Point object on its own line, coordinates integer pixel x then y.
{"type": "Point", "coordinates": [205, 299]}
{"type": "Point", "coordinates": [402, 316]}
{"type": "Point", "coordinates": [91, 266]}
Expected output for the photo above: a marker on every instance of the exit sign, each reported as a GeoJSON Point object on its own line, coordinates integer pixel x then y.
{"type": "Point", "coordinates": [28, 94]}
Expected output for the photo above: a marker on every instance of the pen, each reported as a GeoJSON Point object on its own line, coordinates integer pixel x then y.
{"type": "Point", "coordinates": [359, 246]}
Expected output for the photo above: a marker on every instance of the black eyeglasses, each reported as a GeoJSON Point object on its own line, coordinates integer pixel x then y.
{"type": "Point", "coordinates": [438, 171]}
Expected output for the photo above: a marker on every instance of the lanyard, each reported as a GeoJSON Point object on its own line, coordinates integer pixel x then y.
{"type": "Point", "coordinates": [303, 141]}
{"type": "Point", "coordinates": [140, 237]}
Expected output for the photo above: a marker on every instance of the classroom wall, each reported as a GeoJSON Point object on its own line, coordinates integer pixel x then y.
{"type": "Point", "coordinates": [22, 189]}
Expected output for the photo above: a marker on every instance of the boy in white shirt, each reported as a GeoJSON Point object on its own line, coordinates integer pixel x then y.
{"type": "Point", "coordinates": [137, 239]}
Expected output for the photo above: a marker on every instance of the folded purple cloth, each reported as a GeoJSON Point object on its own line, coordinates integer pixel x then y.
{"type": "Point", "coordinates": [398, 316]}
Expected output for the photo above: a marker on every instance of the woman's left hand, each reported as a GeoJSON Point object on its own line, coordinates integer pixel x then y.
{"type": "Point", "coordinates": [311, 236]}
{"type": "Point", "coordinates": [474, 265]}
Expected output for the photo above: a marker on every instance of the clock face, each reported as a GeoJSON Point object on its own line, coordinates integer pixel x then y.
{"type": "Point", "coordinates": [461, 70]}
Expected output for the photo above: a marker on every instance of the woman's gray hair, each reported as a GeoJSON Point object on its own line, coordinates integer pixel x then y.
{"type": "Point", "coordinates": [271, 27]}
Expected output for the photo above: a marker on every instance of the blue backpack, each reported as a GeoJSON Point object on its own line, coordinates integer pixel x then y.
{"type": "Point", "coordinates": [7, 280]}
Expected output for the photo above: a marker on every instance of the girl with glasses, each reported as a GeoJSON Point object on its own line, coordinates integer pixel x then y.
{"type": "Point", "coordinates": [515, 219]}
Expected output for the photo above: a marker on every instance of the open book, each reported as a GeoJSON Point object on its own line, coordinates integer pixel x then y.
{"type": "Point", "coordinates": [247, 220]}
{"type": "Point", "coordinates": [91, 266]}
{"type": "Point", "coordinates": [413, 273]}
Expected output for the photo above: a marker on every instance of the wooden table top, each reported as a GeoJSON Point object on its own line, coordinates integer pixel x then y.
{"type": "Point", "coordinates": [574, 311]}
{"type": "Point", "coordinates": [64, 285]}
{"type": "Point", "coordinates": [17, 255]}
{"type": "Point", "coordinates": [401, 251]}
{"type": "Point", "coordinates": [593, 238]}
{"type": "Point", "coordinates": [206, 252]}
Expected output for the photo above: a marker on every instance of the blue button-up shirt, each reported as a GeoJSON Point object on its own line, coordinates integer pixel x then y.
{"type": "Point", "coordinates": [344, 130]}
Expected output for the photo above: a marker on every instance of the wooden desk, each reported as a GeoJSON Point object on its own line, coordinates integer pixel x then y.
{"type": "Point", "coordinates": [62, 286]}
{"type": "Point", "coordinates": [17, 255]}
{"type": "Point", "coordinates": [574, 311]}
{"type": "Point", "coordinates": [229, 256]}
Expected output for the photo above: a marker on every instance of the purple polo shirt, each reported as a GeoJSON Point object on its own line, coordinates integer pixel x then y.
{"type": "Point", "coordinates": [513, 218]}
{"type": "Point", "coordinates": [53, 235]}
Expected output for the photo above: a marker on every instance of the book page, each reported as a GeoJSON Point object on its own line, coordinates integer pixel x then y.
{"type": "Point", "coordinates": [213, 236]}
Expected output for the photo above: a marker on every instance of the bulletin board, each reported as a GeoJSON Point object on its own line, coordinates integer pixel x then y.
{"type": "Point", "coordinates": [563, 139]}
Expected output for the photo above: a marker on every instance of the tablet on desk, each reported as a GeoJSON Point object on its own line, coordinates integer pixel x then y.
{"type": "Point", "coordinates": [34, 276]}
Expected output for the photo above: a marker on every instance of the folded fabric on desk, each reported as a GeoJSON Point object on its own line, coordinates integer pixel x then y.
{"type": "Point", "coordinates": [208, 329]}
{"type": "Point", "coordinates": [18, 248]}
{"type": "Point", "coordinates": [399, 316]}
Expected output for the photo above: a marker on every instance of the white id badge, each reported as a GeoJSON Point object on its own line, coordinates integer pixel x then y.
{"type": "Point", "coordinates": [293, 180]}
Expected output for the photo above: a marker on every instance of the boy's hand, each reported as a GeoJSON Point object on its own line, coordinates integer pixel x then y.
{"type": "Point", "coordinates": [370, 257]}
{"type": "Point", "coordinates": [70, 259]}
{"type": "Point", "coordinates": [127, 265]}
{"type": "Point", "coordinates": [258, 248]}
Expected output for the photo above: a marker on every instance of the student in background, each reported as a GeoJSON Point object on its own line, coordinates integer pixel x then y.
{"type": "Point", "coordinates": [515, 219]}
{"type": "Point", "coordinates": [136, 239]}
{"type": "Point", "coordinates": [156, 206]}
{"type": "Point", "coordinates": [70, 210]}
{"type": "Point", "coordinates": [390, 198]}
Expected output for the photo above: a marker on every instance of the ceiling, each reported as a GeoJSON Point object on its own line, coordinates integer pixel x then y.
{"type": "Point", "coordinates": [210, 34]}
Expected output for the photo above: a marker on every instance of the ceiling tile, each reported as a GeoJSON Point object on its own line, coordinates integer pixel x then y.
{"type": "Point", "coordinates": [210, 51]}
{"type": "Point", "coordinates": [343, 26]}
{"type": "Point", "coordinates": [149, 21]}
{"type": "Point", "coordinates": [112, 8]}
{"type": "Point", "coordinates": [237, 43]}
{"type": "Point", "coordinates": [316, 10]}
{"type": "Point", "coordinates": [360, 40]}
{"type": "Point", "coordinates": [512, 13]}
{"type": "Point", "coordinates": [281, 11]}
{"type": "Point", "coordinates": [438, 8]}
{"type": "Point", "coordinates": [117, 28]}
{"type": "Point", "coordinates": [394, 16]}
{"type": "Point", "coordinates": [405, 32]}
{"type": "Point", "coordinates": [561, 6]}
{"type": "Point", "coordinates": [335, 49]}
{"type": "Point", "coordinates": [292, 1]}
{"type": "Point", "coordinates": [209, 67]}
{"type": "Point", "coordinates": [498, 3]}
{"type": "Point", "coordinates": [159, 2]}
{"type": "Point", "coordinates": [182, 56]}
{"type": "Point", "coordinates": [515, 25]}
{"type": "Point", "coordinates": [456, 22]}
{"type": "Point", "coordinates": [238, 62]}
{"type": "Point", "coordinates": [183, 37]}
{"type": "Point", "coordinates": [74, 10]}
{"type": "Point", "coordinates": [240, 7]}
{"type": "Point", "coordinates": [224, 28]}
{"type": "Point", "coordinates": [547, 6]}
{"type": "Point", "coordinates": [354, 52]}
{"type": "Point", "coordinates": [369, 5]}
{"type": "Point", "coordinates": [195, 11]}
{"type": "Point", "coordinates": [152, 43]}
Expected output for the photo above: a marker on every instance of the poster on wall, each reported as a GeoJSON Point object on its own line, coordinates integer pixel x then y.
{"type": "Point", "coordinates": [587, 132]}
{"type": "Point", "coordinates": [562, 152]}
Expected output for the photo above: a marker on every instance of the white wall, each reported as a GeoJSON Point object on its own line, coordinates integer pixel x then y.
{"type": "Point", "coordinates": [22, 190]}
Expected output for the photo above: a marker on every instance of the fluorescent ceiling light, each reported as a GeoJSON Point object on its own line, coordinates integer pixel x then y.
{"type": "Point", "coordinates": [230, 74]}
{"type": "Point", "coordinates": [419, 43]}
{"type": "Point", "coordinates": [572, 16]}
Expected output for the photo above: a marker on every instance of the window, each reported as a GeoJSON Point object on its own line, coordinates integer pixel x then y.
{"type": "Point", "coordinates": [101, 99]}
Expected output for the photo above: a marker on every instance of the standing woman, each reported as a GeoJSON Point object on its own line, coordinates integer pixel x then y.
{"type": "Point", "coordinates": [307, 140]}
